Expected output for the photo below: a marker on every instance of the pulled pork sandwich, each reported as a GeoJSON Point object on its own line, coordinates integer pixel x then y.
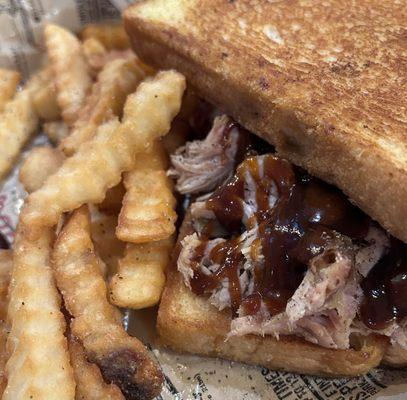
{"type": "Point", "coordinates": [275, 265]}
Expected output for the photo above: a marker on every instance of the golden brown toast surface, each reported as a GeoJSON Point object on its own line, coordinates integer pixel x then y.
{"type": "Point", "coordinates": [189, 323]}
{"type": "Point", "coordinates": [324, 81]}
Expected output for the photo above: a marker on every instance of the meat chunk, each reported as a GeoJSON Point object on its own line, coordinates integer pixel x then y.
{"type": "Point", "coordinates": [187, 263]}
{"type": "Point", "coordinates": [368, 255]}
{"type": "Point", "coordinates": [200, 166]}
{"type": "Point", "coordinates": [326, 274]}
{"type": "Point", "coordinates": [322, 308]}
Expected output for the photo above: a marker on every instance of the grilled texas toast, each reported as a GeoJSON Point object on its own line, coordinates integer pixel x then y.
{"type": "Point", "coordinates": [321, 80]}
{"type": "Point", "coordinates": [189, 323]}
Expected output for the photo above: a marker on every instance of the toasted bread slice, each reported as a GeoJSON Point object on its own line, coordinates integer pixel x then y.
{"type": "Point", "coordinates": [189, 323]}
{"type": "Point", "coordinates": [323, 81]}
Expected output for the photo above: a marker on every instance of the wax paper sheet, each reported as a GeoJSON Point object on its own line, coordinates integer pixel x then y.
{"type": "Point", "coordinates": [187, 377]}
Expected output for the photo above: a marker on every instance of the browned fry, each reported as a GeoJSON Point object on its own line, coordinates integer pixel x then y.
{"type": "Point", "coordinates": [117, 79]}
{"type": "Point", "coordinates": [9, 81]}
{"type": "Point", "coordinates": [100, 162]}
{"type": "Point", "coordinates": [89, 381]}
{"type": "Point", "coordinates": [44, 98]}
{"type": "Point", "coordinates": [39, 366]}
{"type": "Point", "coordinates": [45, 102]}
{"type": "Point", "coordinates": [148, 205]}
{"type": "Point", "coordinates": [71, 72]}
{"type": "Point", "coordinates": [95, 54]}
{"type": "Point", "coordinates": [112, 203]}
{"type": "Point", "coordinates": [140, 278]}
{"type": "Point", "coordinates": [107, 246]}
{"type": "Point", "coordinates": [6, 264]}
{"type": "Point", "coordinates": [112, 36]}
{"type": "Point", "coordinates": [56, 131]}
{"type": "Point", "coordinates": [39, 164]}
{"type": "Point", "coordinates": [122, 359]}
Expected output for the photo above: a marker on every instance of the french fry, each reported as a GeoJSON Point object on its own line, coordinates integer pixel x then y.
{"type": "Point", "coordinates": [112, 202]}
{"type": "Point", "coordinates": [122, 359]}
{"type": "Point", "coordinates": [39, 366]}
{"type": "Point", "coordinates": [148, 205]}
{"type": "Point", "coordinates": [45, 102]}
{"type": "Point", "coordinates": [56, 131]}
{"type": "Point", "coordinates": [95, 54]}
{"type": "Point", "coordinates": [112, 36]}
{"type": "Point", "coordinates": [140, 278]}
{"type": "Point", "coordinates": [9, 81]}
{"type": "Point", "coordinates": [89, 381]}
{"type": "Point", "coordinates": [71, 72]}
{"type": "Point", "coordinates": [107, 246]}
{"type": "Point", "coordinates": [18, 123]}
{"type": "Point", "coordinates": [6, 264]}
{"type": "Point", "coordinates": [99, 163]}
{"type": "Point", "coordinates": [39, 164]}
{"type": "Point", "coordinates": [117, 79]}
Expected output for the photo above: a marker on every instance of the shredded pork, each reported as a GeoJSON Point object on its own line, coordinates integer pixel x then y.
{"type": "Point", "coordinates": [201, 165]}
{"type": "Point", "coordinates": [323, 309]}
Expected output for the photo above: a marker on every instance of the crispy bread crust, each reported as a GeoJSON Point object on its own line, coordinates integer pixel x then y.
{"type": "Point", "coordinates": [322, 82]}
{"type": "Point", "coordinates": [189, 323]}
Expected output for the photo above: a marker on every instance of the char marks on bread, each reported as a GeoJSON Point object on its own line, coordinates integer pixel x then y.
{"type": "Point", "coordinates": [326, 94]}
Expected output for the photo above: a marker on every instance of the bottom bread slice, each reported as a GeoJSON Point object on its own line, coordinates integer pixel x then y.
{"type": "Point", "coordinates": [189, 323]}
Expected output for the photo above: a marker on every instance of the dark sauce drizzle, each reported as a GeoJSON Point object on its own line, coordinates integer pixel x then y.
{"type": "Point", "coordinates": [306, 218]}
{"type": "Point", "coordinates": [385, 289]}
{"type": "Point", "coordinates": [298, 228]}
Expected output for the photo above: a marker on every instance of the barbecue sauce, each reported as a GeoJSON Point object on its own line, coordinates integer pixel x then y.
{"type": "Point", "coordinates": [307, 216]}
{"type": "Point", "coordinates": [385, 289]}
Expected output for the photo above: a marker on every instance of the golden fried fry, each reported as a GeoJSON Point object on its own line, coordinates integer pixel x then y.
{"type": "Point", "coordinates": [39, 164]}
{"type": "Point", "coordinates": [45, 102]}
{"type": "Point", "coordinates": [99, 163]}
{"type": "Point", "coordinates": [107, 246]}
{"type": "Point", "coordinates": [89, 381]}
{"type": "Point", "coordinates": [117, 79]}
{"type": "Point", "coordinates": [95, 54]}
{"type": "Point", "coordinates": [71, 72]}
{"type": "Point", "coordinates": [56, 131]}
{"type": "Point", "coordinates": [112, 36]}
{"type": "Point", "coordinates": [39, 366]}
{"type": "Point", "coordinates": [148, 205]}
{"type": "Point", "coordinates": [9, 80]}
{"type": "Point", "coordinates": [18, 123]}
{"type": "Point", "coordinates": [122, 359]}
{"type": "Point", "coordinates": [112, 203]}
{"type": "Point", "coordinates": [140, 278]}
{"type": "Point", "coordinates": [6, 263]}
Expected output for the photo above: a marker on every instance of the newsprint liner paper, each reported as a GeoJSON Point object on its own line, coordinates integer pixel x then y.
{"type": "Point", "coordinates": [187, 377]}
